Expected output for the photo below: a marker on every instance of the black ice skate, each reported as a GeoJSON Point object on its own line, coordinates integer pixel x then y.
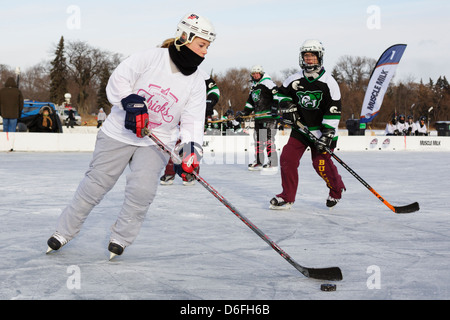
{"type": "Point", "coordinates": [115, 248]}
{"type": "Point", "coordinates": [331, 202]}
{"type": "Point", "coordinates": [167, 179]}
{"type": "Point", "coordinates": [255, 166]}
{"type": "Point", "coordinates": [269, 166]}
{"type": "Point", "coordinates": [55, 242]}
{"type": "Point", "coordinates": [278, 203]}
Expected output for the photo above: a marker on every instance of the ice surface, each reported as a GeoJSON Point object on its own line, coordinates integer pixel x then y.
{"type": "Point", "coordinates": [192, 247]}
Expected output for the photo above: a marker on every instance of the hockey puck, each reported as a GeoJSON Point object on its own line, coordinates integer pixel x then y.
{"type": "Point", "coordinates": [328, 287]}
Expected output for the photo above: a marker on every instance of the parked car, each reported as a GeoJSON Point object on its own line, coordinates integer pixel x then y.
{"type": "Point", "coordinates": [64, 114]}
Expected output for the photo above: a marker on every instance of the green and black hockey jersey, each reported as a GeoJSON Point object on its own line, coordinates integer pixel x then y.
{"type": "Point", "coordinates": [318, 103]}
{"type": "Point", "coordinates": [261, 99]}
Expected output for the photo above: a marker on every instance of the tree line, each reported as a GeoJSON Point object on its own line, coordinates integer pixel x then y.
{"type": "Point", "coordinates": [83, 71]}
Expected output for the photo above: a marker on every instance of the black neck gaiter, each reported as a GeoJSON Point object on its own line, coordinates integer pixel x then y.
{"type": "Point", "coordinates": [186, 60]}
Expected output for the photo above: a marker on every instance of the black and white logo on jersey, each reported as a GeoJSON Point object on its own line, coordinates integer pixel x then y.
{"type": "Point", "coordinates": [309, 99]}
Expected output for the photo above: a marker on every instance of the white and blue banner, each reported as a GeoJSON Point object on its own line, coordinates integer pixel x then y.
{"type": "Point", "coordinates": [379, 81]}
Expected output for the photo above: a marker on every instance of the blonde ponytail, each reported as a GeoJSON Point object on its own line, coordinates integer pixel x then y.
{"type": "Point", "coordinates": [167, 43]}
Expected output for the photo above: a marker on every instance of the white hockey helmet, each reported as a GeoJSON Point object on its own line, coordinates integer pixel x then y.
{"type": "Point", "coordinates": [257, 69]}
{"type": "Point", "coordinates": [316, 47]}
{"type": "Point", "coordinates": [192, 25]}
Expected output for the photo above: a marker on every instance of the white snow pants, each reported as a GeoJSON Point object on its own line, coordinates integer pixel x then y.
{"type": "Point", "coordinates": [110, 158]}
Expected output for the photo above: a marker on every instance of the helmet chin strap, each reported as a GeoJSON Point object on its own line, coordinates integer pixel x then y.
{"type": "Point", "coordinates": [187, 38]}
{"type": "Point", "coordinates": [183, 40]}
{"type": "Point", "coordinates": [178, 44]}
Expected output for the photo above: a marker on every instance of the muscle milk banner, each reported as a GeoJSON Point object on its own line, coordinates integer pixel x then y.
{"type": "Point", "coordinates": [379, 81]}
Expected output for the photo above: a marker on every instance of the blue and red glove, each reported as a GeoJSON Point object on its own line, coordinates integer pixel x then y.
{"type": "Point", "coordinates": [190, 153]}
{"type": "Point", "coordinates": [136, 118]}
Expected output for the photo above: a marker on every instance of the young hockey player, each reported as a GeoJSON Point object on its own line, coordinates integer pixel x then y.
{"type": "Point", "coordinates": [159, 89]}
{"type": "Point", "coordinates": [260, 101]}
{"type": "Point", "coordinates": [311, 97]}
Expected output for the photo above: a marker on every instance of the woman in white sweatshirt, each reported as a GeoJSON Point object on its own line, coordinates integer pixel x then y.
{"type": "Point", "coordinates": [163, 90]}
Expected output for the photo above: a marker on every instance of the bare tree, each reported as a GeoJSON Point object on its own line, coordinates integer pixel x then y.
{"type": "Point", "coordinates": [35, 82]}
{"type": "Point", "coordinates": [354, 71]}
{"type": "Point", "coordinates": [352, 74]}
{"type": "Point", "coordinates": [105, 73]}
{"type": "Point", "coordinates": [234, 86]}
{"type": "Point", "coordinates": [285, 73]}
{"type": "Point", "coordinates": [84, 64]}
{"type": "Point", "coordinates": [89, 69]}
{"type": "Point", "coordinates": [5, 73]}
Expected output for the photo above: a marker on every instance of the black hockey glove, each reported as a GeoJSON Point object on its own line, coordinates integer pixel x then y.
{"type": "Point", "coordinates": [289, 113]}
{"type": "Point", "coordinates": [325, 140]}
{"type": "Point", "coordinates": [190, 153]}
{"type": "Point", "coordinates": [136, 118]}
{"type": "Point", "coordinates": [239, 116]}
{"type": "Point", "coordinates": [274, 111]}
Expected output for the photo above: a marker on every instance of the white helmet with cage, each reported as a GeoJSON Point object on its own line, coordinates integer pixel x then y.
{"type": "Point", "coordinates": [316, 47]}
{"type": "Point", "coordinates": [192, 25]}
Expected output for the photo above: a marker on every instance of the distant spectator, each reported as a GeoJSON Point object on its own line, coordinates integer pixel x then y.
{"type": "Point", "coordinates": [411, 126]}
{"type": "Point", "coordinates": [402, 126]}
{"type": "Point", "coordinates": [70, 121]}
{"type": "Point", "coordinates": [100, 117]}
{"type": "Point", "coordinates": [421, 127]}
{"type": "Point", "coordinates": [391, 127]}
{"type": "Point", "coordinates": [231, 123]}
{"type": "Point", "coordinates": [45, 121]}
{"type": "Point", "coordinates": [11, 105]}
{"type": "Point", "coordinates": [213, 123]}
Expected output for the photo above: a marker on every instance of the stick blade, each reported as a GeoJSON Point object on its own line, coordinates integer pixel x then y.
{"type": "Point", "coordinates": [413, 207]}
{"type": "Point", "coordinates": [333, 273]}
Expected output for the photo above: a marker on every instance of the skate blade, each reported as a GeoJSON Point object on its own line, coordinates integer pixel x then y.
{"type": "Point", "coordinates": [111, 255]}
{"type": "Point", "coordinates": [270, 169]}
{"type": "Point", "coordinates": [272, 207]}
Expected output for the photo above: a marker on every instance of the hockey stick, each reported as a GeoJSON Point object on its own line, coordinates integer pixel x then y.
{"type": "Point", "coordinates": [397, 209]}
{"type": "Point", "coordinates": [332, 273]}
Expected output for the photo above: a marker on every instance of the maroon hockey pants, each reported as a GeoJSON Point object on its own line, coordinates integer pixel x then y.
{"type": "Point", "coordinates": [322, 163]}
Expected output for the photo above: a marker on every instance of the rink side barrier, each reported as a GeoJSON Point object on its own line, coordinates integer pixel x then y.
{"type": "Point", "coordinates": [229, 146]}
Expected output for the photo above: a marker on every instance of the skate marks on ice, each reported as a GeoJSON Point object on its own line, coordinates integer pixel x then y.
{"type": "Point", "coordinates": [192, 247]}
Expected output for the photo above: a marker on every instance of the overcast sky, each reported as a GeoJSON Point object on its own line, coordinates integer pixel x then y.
{"type": "Point", "coordinates": [265, 32]}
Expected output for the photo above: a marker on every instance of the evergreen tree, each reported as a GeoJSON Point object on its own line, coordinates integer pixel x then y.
{"type": "Point", "coordinates": [58, 75]}
{"type": "Point", "coordinates": [102, 99]}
